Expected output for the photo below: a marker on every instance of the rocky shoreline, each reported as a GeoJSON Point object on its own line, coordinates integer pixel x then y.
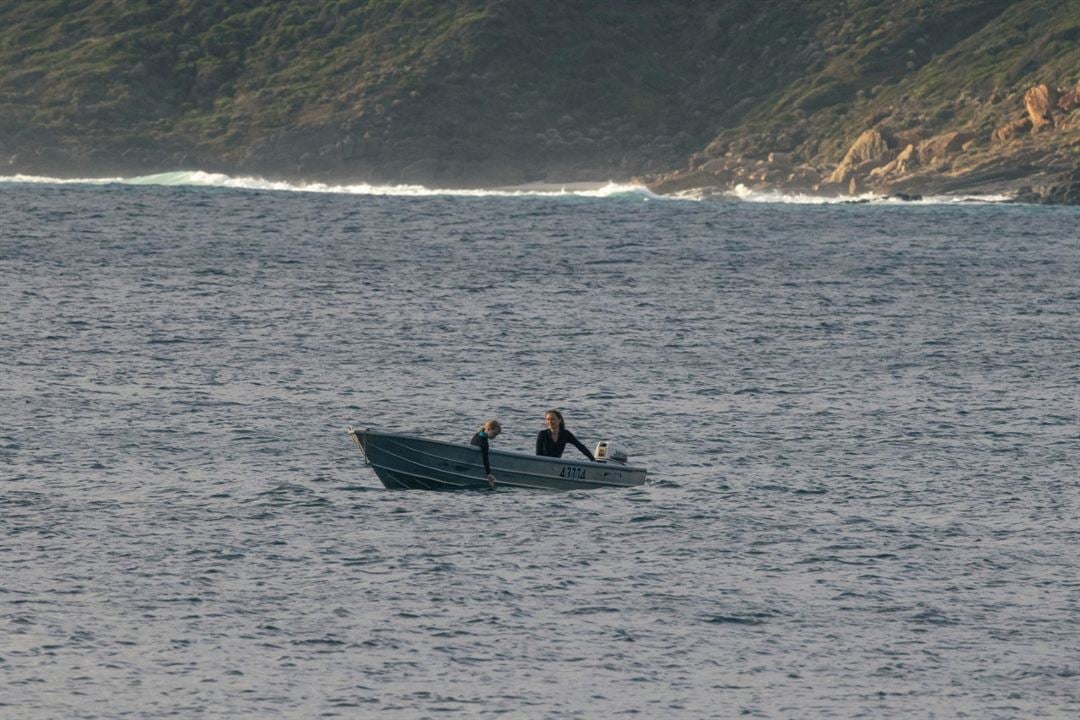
{"type": "Point", "coordinates": [1032, 158]}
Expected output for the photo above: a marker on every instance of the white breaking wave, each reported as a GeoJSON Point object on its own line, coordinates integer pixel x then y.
{"type": "Point", "coordinates": [39, 180]}
{"type": "Point", "coordinates": [741, 192]}
{"type": "Point", "coordinates": [198, 178]}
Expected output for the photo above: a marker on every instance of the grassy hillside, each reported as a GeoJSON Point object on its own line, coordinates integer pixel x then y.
{"type": "Point", "coordinates": [504, 91]}
{"type": "Point", "coordinates": [915, 66]}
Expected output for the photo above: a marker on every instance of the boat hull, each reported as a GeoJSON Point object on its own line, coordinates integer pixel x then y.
{"type": "Point", "coordinates": [409, 462]}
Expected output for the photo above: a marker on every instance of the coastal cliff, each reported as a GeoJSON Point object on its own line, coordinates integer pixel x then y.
{"type": "Point", "coordinates": [903, 98]}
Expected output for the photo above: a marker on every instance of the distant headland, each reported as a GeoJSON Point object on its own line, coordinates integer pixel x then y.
{"type": "Point", "coordinates": [905, 98]}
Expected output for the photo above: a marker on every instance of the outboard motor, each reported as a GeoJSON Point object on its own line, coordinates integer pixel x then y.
{"type": "Point", "coordinates": [610, 452]}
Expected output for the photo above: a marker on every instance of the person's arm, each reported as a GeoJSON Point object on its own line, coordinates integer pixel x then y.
{"type": "Point", "coordinates": [540, 442]}
{"type": "Point", "coordinates": [484, 455]}
{"type": "Point", "coordinates": [577, 443]}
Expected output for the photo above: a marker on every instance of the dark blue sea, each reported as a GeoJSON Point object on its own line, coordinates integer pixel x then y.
{"type": "Point", "coordinates": [861, 424]}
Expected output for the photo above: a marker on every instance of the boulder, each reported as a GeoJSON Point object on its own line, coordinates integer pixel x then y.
{"type": "Point", "coordinates": [679, 181]}
{"type": "Point", "coordinates": [1040, 102]}
{"type": "Point", "coordinates": [905, 162]}
{"type": "Point", "coordinates": [869, 150]}
{"type": "Point", "coordinates": [1070, 100]}
{"type": "Point", "coordinates": [1066, 116]}
{"type": "Point", "coordinates": [1009, 130]}
{"type": "Point", "coordinates": [942, 146]}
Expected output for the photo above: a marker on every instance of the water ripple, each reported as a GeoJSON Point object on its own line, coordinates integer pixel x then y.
{"type": "Point", "coordinates": [860, 425]}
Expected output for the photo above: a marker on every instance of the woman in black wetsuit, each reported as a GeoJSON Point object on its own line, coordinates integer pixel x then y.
{"type": "Point", "coordinates": [552, 442]}
{"type": "Point", "coordinates": [487, 431]}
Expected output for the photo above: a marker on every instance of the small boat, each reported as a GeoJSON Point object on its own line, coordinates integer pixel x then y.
{"type": "Point", "coordinates": [409, 462]}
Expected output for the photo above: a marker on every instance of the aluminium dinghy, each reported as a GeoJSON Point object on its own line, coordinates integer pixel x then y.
{"type": "Point", "coordinates": [410, 462]}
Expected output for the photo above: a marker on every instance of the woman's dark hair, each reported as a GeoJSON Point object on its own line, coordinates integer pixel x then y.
{"type": "Point", "coordinates": [556, 413]}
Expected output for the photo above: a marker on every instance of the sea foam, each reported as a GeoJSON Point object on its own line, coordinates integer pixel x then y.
{"type": "Point", "coordinates": [628, 191]}
{"type": "Point", "coordinates": [198, 178]}
{"type": "Point", "coordinates": [741, 192]}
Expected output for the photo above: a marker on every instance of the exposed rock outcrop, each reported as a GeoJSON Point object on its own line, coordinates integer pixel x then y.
{"type": "Point", "coordinates": [1070, 100]}
{"type": "Point", "coordinates": [1068, 105]}
{"type": "Point", "coordinates": [942, 147]}
{"type": "Point", "coordinates": [869, 151]}
{"type": "Point", "coordinates": [871, 164]}
{"type": "Point", "coordinates": [1040, 102]}
{"type": "Point", "coordinates": [1063, 190]}
{"type": "Point", "coordinates": [907, 161]}
{"type": "Point", "coordinates": [1011, 129]}
{"type": "Point", "coordinates": [1034, 156]}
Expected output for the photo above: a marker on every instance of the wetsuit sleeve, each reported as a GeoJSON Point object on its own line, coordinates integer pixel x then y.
{"type": "Point", "coordinates": [480, 440]}
{"type": "Point", "coordinates": [577, 443]}
{"type": "Point", "coordinates": [484, 455]}
{"type": "Point", "coordinates": [540, 442]}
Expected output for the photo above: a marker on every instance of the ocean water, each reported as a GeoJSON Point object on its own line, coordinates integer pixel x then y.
{"type": "Point", "coordinates": [861, 424]}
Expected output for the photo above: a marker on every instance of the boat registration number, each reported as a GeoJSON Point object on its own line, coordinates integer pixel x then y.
{"type": "Point", "coordinates": [573, 473]}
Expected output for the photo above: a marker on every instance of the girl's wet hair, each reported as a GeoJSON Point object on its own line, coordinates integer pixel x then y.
{"type": "Point", "coordinates": [556, 413]}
